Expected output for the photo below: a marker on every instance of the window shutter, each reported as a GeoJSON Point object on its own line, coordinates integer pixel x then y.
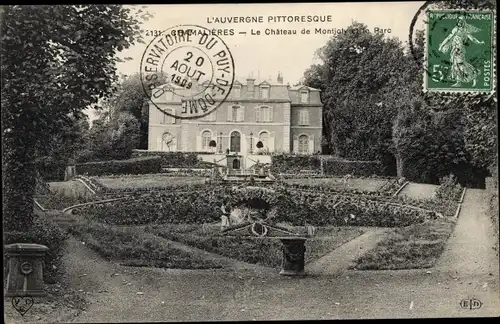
{"type": "Point", "coordinates": [271, 142]}
{"type": "Point", "coordinates": [311, 144]}
{"type": "Point", "coordinates": [198, 143]}
{"type": "Point", "coordinates": [172, 120]}
{"type": "Point", "coordinates": [241, 113]}
{"type": "Point", "coordinates": [257, 114]}
{"type": "Point", "coordinates": [306, 114]}
{"type": "Point", "coordinates": [229, 113]}
{"type": "Point", "coordinates": [158, 144]}
{"type": "Point", "coordinates": [271, 116]}
{"type": "Point", "coordinates": [295, 144]}
{"type": "Point", "coordinates": [243, 144]}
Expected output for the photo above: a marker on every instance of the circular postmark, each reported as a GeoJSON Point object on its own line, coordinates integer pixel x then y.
{"type": "Point", "coordinates": [192, 65]}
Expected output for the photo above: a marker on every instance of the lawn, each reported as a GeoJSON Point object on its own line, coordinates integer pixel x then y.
{"type": "Point", "coordinates": [417, 246]}
{"type": "Point", "coordinates": [146, 181]}
{"type": "Point", "coordinates": [336, 183]}
{"type": "Point", "coordinates": [133, 247]}
{"type": "Point", "coordinates": [264, 251]}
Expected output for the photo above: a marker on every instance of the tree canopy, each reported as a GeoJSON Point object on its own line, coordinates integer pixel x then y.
{"type": "Point", "coordinates": [56, 61]}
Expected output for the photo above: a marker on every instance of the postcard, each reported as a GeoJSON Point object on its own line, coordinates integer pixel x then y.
{"type": "Point", "coordinates": [250, 162]}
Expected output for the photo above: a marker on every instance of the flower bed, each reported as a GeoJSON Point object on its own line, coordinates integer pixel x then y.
{"type": "Point", "coordinates": [126, 244]}
{"type": "Point", "coordinates": [413, 247]}
{"type": "Point", "coordinates": [449, 189]}
{"type": "Point", "coordinates": [199, 204]}
{"type": "Point", "coordinates": [59, 201]}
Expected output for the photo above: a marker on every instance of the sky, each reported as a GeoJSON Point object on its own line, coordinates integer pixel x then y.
{"type": "Point", "coordinates": [266, 55]}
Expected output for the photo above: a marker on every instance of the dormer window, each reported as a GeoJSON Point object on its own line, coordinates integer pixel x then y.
{"type": "Point", "coordinates": [264, 92]}
{"type": "Point", "coordinates": [304, 97]}
{"type": "Point", "coordinates": [237, 91]}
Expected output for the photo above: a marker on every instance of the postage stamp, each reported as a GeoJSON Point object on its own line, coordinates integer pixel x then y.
{"type": "Point", "coordinates": [459, 55]}
{"type": "Point", "coordinates": [191, 62]}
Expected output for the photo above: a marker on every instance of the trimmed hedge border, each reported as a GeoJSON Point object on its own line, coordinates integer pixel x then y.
{"type": "Point", "coordinates": [142, 165]}
{"type": "Point", "coordinates": [324, 166]}
{"type": "Point", "coordinates": [171, 159]}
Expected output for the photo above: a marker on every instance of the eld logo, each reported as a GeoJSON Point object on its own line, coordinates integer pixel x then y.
{"type": "Point", "coordinates": [471, 303]}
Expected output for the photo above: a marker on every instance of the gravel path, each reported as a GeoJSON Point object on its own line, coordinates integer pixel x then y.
{"type": "Point", "coordinates": [344, 256]}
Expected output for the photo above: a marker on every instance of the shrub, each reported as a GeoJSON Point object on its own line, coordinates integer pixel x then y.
{"type": "Point", "coordinates": [144, 165]}
{"type": "Point", "coordinates": [449, 189]}
{"type": "Point", "coordinates": [47, 233]}
{"type": "Point", "coordinates": [355, 168]}
{"type": "Point", "coordinates": [51, 170]}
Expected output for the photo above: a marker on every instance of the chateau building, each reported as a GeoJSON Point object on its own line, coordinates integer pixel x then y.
{"type": "Point", "coordinates": [281, 117]}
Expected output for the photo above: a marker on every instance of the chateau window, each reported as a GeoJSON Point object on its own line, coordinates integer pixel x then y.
{"type": "Point", "coordinates": [206, 137]}
{"type": "Point", "coordinates": [303, 144]}
{"type": "Point", "coordinates": [303, 117]}
{"type": "Point", "coordinates": [264, 114]}
{"type": "Point", "coordinates": [264, 91]}
{"type": "Point", "coordinates": [304, 97]}
{"type": "Point", "coordinates": [235, 110]}
{"type": "Point", "coordinates": [264, 138]}
{"type": "Point", "coordinates": [167, 119]}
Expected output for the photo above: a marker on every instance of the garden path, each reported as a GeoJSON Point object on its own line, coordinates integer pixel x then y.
{"type": "Point", "coordinates": [471, 249]}
{"type": "Point", "coordinates": [343, 257]}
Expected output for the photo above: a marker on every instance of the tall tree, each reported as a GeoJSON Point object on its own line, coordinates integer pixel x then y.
{"type": "Point", "coordinates": [56, 61]}
{"type": "Point", "coordinates": [358, 69]}
{"type": "Point", "coordinates": [131, 98]}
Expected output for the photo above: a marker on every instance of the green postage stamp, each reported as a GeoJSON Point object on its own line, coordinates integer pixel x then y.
{"type": "Point", "coordinates": [459, 51]}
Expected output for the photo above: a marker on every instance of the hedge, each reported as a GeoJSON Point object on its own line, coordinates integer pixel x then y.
{"type": "Point", "coordinates": [47, 233]}
{"type": "Point", "coordinates": [143, 165]}
{"type": "Point", "coordinates": [171, 159]}
{"type": "Point", "coordinates": [294, 163]}
{"type": "Point", "coordinates": [355, 168]}
{"type": "Point", "coordinates": [51, 170]}
{"type": "Point", "coordinates": [329, 166]}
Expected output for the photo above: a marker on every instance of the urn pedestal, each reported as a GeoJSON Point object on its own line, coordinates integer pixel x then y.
{"type": "Point", "coordinates": [293, 256]}
{"type": "Point", "coordinates": [25, 269]}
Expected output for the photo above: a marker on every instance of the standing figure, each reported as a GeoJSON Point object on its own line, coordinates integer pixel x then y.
{"type": "Point", "coordinates": [461, 70]}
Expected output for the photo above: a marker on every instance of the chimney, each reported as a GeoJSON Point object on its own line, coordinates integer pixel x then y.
{"type": "Point", "coordinates": [280, 78]}
{"type": "Point", "coordinates": [250, 84]}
